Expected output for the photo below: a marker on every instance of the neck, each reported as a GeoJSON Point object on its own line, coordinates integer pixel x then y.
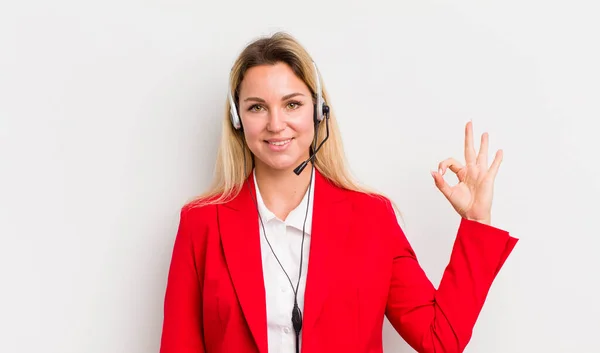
{"type": "Point", "coordinates": [282, 190]}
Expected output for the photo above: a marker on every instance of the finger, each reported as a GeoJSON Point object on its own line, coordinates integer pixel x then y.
{"type": "Point", "coordinates": [482, 158]}
{"type": "Point", "coordinates": [450, 163]}
{"type": "Point", "coordinates": [469, 148]}
{"type": "Point", "coordinates": [493, 171]}
{"type": "Point", "coordinates": [441, 184]}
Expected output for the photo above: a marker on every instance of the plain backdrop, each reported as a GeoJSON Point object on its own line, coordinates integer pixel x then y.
{"type": "Point", "coordinates": [109, 122]}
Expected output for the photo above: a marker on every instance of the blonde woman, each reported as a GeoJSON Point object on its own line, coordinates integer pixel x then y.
{"type": "Point", "coordinates": [287, 253]}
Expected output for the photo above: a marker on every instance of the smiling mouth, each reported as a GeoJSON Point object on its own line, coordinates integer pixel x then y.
{"type": "Point", "coordinates": [279, 142]}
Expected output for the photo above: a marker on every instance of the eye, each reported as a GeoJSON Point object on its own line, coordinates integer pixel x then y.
{"type": "Point", "coordinates": [255, 108]}
{"type": "Point", "coordinates": [294, 105]}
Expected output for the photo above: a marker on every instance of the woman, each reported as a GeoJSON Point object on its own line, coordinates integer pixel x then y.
{"type": "Point", "coordinates": [287, 253]}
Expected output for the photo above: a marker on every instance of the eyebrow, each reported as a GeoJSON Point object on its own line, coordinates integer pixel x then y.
{"type": "Point", "coordinates": [287, 96]}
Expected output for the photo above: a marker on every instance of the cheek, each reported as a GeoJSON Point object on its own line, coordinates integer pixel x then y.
{"type": "Point", "coordinates": [252, 131]}
{"type": "Point", "coordinates": [305, 131]}
{"type": "Point", "coordinates": [254, 135]}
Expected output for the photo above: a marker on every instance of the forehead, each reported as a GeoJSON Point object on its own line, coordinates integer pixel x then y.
{"type": "Point", "coordinates": [271, 81]}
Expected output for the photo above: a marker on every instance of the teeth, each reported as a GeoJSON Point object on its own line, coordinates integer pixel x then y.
{"type": "Point", "coordinates": [279, 143]}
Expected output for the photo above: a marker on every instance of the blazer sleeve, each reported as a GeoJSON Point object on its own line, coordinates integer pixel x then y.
{"type": "Point", "coordinates": [182, 324]}
{"type": "Point", "coordinates": [442, 320]}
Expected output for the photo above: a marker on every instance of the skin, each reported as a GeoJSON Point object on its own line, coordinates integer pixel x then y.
{"type": "Point", "coordinates": [276, 105]}
{"type": "Point", "coordinates": [472, 196]}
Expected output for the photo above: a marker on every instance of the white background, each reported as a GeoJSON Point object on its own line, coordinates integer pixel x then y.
{"type": "Point", "coordinates": [109, 121]}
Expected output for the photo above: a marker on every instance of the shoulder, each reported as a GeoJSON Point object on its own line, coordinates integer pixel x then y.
{"type": "Point", "coordinates": [196, 220]}
{"type": "Point", "coordinates": [199, 209]}
{"type": "Point", "coordinates": [370, 201]}
{"type": "Point", "coordinates": [376, 220]}
{"type": "Point", "coordinates": [205, 209]}
{"type": "Point", "coordinates": [198, 213]}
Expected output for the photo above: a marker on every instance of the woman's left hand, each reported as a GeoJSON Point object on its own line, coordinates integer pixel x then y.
{"type": "Point", "coordinates": [472, 196]}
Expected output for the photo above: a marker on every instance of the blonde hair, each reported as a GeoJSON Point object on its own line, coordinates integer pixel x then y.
{"type": "Point", "coordinates": [230, 171]}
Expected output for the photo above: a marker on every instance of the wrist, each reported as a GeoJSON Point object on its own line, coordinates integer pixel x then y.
{"type": "Point", "coordinates": [486, 221]}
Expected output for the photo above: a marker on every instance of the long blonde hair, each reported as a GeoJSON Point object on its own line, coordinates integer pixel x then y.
{"type": "Point", "coordinates": [230, 171]}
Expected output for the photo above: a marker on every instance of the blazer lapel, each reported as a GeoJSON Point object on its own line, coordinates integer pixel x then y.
{"type": "Point", "coordinates": [238, 222]}
{"type": "Point", "coordinates": [240, 236]}
{"type": "Point", "coordinates": [329, 232]}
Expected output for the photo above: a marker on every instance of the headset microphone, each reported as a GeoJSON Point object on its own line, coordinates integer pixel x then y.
{"type": "Point", "coordinates": [303, 165]}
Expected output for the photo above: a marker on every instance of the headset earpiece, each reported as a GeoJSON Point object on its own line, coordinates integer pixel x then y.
{"type": "Point", "coordinates": [321, 109]}
{"type": "Point", "coordinates": [233, 114]}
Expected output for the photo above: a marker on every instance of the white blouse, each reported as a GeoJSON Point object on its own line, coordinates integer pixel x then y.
{"type": "Point", "coordinates": [285, 237]}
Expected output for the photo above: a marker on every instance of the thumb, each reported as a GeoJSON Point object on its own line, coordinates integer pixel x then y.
{"type": "Point", "coordinates": [441, 184]}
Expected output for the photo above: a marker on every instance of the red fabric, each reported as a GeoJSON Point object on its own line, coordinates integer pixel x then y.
{"type": "Point", "coordinates": [361, 267]}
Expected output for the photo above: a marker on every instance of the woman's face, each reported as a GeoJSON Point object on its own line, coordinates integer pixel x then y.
{"type": "Point", "coordinates": [276, 108]}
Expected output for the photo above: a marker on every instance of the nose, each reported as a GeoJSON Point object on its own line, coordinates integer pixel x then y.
{"type": "Point", "coordinates": [276, 122]}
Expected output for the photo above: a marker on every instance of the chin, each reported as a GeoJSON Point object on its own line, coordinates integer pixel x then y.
{"type": "Point", "coordinates": [280, 162]}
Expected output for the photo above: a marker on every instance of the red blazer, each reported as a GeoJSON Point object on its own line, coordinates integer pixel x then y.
{"type": "Point", "coordinates": [361, 267]}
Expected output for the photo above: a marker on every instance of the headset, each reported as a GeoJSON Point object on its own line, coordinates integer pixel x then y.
{"type": "Point", "coordinates": [321, 108]}
{"type": "Point", "coordinates": [321, 111]}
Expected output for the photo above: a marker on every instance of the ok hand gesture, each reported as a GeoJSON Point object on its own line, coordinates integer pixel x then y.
{"type": "Point", "coordinates": [472, 196]}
